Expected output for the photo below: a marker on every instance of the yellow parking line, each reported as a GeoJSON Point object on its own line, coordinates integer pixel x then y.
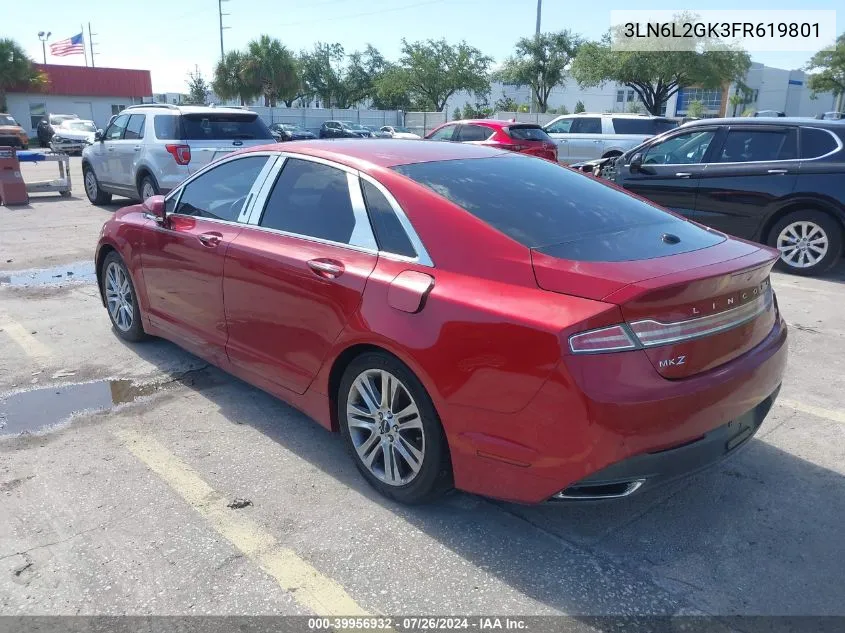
{"type": "Point", "coordinates": [828, 414]}
{"type": "Point", "coordinates": [319, 593]}
{"type": "Point", "coordinates": [26, 341]}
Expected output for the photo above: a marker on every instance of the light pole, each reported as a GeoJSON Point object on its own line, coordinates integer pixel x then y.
{"type": "Point", "coordinates": [44, 37]}
{"type": "Point", "coordinates": [535, 95]}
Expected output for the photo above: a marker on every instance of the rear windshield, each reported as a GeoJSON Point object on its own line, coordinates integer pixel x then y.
{"type": "Point", "coordinates": [214, 127]}
{"type": "Point", "coordinates": [528, 133]}
{"type": "Point", "coordinates": [566, 214]}
{"type": "Point", "coordinates": [650, 127]}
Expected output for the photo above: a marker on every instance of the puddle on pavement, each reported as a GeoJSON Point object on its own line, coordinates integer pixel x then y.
{"type": "Point", "coordinates": [43, 409]}
{"type": "Point", "coordinates": [80, 272]}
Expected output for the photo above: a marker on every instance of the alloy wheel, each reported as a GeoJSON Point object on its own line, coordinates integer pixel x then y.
{"type": "Point", "coordinates": [91, 184]}
{"type": "Point", "coordinates": [119, 297]}
{"type": "Point", "coordinates": [147, 190]}
{"type": "Point", "coordinates": [802, 244]}
{"type": "Point", "coordinates": [385, 427]}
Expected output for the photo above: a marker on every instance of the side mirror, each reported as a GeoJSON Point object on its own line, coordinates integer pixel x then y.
{"type": "Point", "coordinates": [636, 162]}
{"type": "Point", "coordinates": [154, 205]}
{"type": "Point", "coordinates": [98, 135]}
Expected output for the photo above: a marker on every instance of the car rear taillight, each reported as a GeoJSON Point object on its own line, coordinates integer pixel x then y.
{"type": "Point", "coordinates": [647, 333]}
{"type": "Point", "coordinates": [607, 339]}
{"type": "Point", "coordinates": [181, 153]}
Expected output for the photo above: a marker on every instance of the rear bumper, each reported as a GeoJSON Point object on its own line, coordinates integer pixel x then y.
{"type": "Point", "coordinates": [650, 469]}
{"type": "Point", "coordinates": [606, 416]}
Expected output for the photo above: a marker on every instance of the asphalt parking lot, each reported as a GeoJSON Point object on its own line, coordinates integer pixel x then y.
{"type": "Point", "coordinates": [125, 509]}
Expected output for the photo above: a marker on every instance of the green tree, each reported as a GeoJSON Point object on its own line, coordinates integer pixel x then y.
{"type": "Point", "coordinates": [198, 88]}
{"type": "Point", "coordinates": [505, 104]}
{"type": "Point", "coordinates": [523, 108]}
{"type": "Point", "coordinates": [342, 80]}
{"type": "Point", "coordinates": [17, 69]}
{"type": "Point", "coordinates": [272, 66]}
{"type": "Point", "coordinates": [828, 69]}
{"type": "Point", "coordinates": [658, 73]}
{"type": "Point", "coordinates": [456, 115]}
{"type": "Point", "coordinates": [233, 79]}
{"type": "Point", "coordinates": [736, 100]}
{"type": "Point", "coordinates": [565, 110]}
{"type": "Point", "coordinates": [431, 71]}
{"type": "Point", "coordinates": [695, 109]}
{"type": "Point", "coordinates": [579, 107]}
{"type": "Point", "coordinates": [540, 62]}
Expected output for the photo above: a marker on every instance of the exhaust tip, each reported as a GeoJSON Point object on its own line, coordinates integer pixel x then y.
{"type": "Point", "coordinates": [614, 490]}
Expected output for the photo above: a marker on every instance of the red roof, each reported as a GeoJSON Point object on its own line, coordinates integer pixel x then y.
{"type": "Point", "coordinates": [84, 81]}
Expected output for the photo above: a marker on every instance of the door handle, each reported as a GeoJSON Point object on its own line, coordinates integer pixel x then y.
{"type": "Point", "coordinates": [327, 268]}
{"type": "Point", "coordinates": [137, 148]}
{"type": "Point", "coordinates": [683, 174]}
{"type": "Point", "coordinates": [597, 141]}
{"type": "Point", "coordinates": [210, 239]}
{"type": "Point", "coordinates": [778, 171]}
{"type": "Point", "coordinates": [111, 149]}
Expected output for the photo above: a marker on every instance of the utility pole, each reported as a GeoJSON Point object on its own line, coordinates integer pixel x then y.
{"type": "Point", "coordinates": [221, 14]}
{"type": "Point", "coordinates": [91, 44]}
{"type": "Point", "coordinates": [534, 95]}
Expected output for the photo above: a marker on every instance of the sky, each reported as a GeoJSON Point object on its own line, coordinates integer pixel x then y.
{"type": "Point", "coordinates": [171, 37]}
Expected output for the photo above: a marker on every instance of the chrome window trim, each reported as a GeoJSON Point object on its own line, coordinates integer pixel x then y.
{"type": "Point", "coordinates": [362, 233]}
{"type": "Point", "coordinates": [250, 196]}
{"type": "Point", "coordinates": [264, 192]}
{"type": "Point", "coordinates": [422, 258]}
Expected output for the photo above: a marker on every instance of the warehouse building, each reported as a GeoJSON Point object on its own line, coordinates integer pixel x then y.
{"type": "Point", "coordinates": [90, 93]}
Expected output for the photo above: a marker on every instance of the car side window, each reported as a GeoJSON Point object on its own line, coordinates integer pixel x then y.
{"type": "Point", "coordinates": [816, 142]}
{"type": "Point", "coordinates": [586, 125]}
{"type": "Point", "coordinates": [748, 146]}
{"type": "Point", "coordinates": [135, 127]}
{"type": "Point", "coordinates": [560, 127]}
{"type": "Point", "coordinates": [444, 134]}
{"type": "Point", "coordinates": [473, 133]}
{"type": "Point", "coordinates": [312, 200]}
{"type": "Point", "coordinates": [220, 192]}
{"type": "Point", "coordinates": [115, 131]}
{"type": "Point", "coordinates": [682, 149]}
{"type": "Point", "coordinates": [390, 235]}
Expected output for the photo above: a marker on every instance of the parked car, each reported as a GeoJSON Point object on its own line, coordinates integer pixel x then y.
{"type": "Point", "coordinates": [586, 136]}
{"type": "Point", "coordinates": [527, 138]}
{"type": "Point", "coordinates": [73, 136]}
{"type": "Point", "coordinates": [376, 132]}
{"type": "Point", "coordinates": [396, 131]}
{"type": "Point", "coordinates": [832, 116]}
{"type": "Point", "coordinates": [775, 182]}
{"type": "Point", "coordinates": [47, 126]}
{"type": "Point", "coordinates": [149, 149]}
{"type": "Point", "coordinates": [287, 132]}
{"type": "Point", "coordinates": [510, 328]}
{"type": "Point", "coordinates": [343, 129]}
{"type": "Point", "coordinates": [769, 113]}
{"type": "Point", "coordinates": [12, 134]}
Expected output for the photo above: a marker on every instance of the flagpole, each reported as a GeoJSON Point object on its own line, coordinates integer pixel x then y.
{"type": "Point", "coordinates": [84, 52]}
{"type": "Point", "coordinates": [91, 44]}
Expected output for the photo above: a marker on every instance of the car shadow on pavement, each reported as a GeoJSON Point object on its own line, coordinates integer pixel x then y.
{"type": "Point", "coordinates": [759, 534]}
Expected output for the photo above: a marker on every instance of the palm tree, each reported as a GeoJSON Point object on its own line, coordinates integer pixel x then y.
{"type": "Point", "coordinates": [16, 69]}
{"type": "Point", "coordinates": [233, 80]}
{"type": "Point", "coordinates": [270, 64]}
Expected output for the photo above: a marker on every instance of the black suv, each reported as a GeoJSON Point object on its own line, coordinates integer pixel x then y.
{"type": "Point", "coordinates": [777, 181]}
{"type": "Point", "coordinates": [343, 129]}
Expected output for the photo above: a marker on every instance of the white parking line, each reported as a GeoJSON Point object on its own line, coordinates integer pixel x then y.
{"type": "Point", "coordinates": [819, 412]}
{"type": "Point", "coordinates": [317, 592]}
{"type": "Point", "coordinates": [27, 342]}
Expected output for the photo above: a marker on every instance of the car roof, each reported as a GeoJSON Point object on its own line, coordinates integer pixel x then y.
{"type": "Point", "coordinates": [382, 152]}
{"type": "Point", "coordinates": [790, 121]}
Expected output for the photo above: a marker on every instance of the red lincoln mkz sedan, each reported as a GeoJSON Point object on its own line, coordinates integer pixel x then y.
{"type": "Point", "coordinates": [464, 316]}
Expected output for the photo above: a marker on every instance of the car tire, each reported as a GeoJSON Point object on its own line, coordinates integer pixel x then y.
{"type": "Point", "coordinates": [420, 465]}
{"type": "Point", "coordinates": [92, 187]}
{"type": "Point", "coordinates": [810, 242]}
{"type": "Point", "coordinates": [121, 299]}
{"type": "Point", "coordinates": [148, 183]}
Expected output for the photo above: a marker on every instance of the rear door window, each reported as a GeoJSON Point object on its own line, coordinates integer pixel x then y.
{"type": "Point", "coordinates": [642, 126]}
{"type": "Point", "coordinates": [135, 127]}
{"type": "Point", "coordinates": [586, 125]}
{"type": "Point", "coordinates": [558, 211]}
{"type": "Point", "coordinates": [758, 145]}
{"type": "Point", "coordinates": [468, 133]}
{"type": "Point", "coordinates": [228, 127]}
{"type": "Point", "coordinates": [221, 192]}
{"type": "Point", "coordinates": [816, 142]}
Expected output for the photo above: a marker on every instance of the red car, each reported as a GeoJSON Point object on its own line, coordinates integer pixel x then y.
{"type": "Point", "coordinates": [463, 316]}
{"type": "Point", "coordinates": [526, 138]}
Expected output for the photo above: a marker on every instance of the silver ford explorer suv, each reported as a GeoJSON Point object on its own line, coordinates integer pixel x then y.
{"type": "Point", "coordinates": [149, 149]}
{"type": "Point", "coordinates": [584, 136]}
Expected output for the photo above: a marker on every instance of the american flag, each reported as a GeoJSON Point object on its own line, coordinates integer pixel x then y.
{"type": "Point", "coordinates": [72, 46]}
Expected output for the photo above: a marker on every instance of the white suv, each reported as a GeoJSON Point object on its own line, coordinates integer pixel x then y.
{"type": "Point", "coordinates": [581, 137]}
{"type": "Point", "coordinates": [149, 149]}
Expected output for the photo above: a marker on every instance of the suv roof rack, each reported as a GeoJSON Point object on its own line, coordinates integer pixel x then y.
{"type": "Point", "coordinates": [169, 106]}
